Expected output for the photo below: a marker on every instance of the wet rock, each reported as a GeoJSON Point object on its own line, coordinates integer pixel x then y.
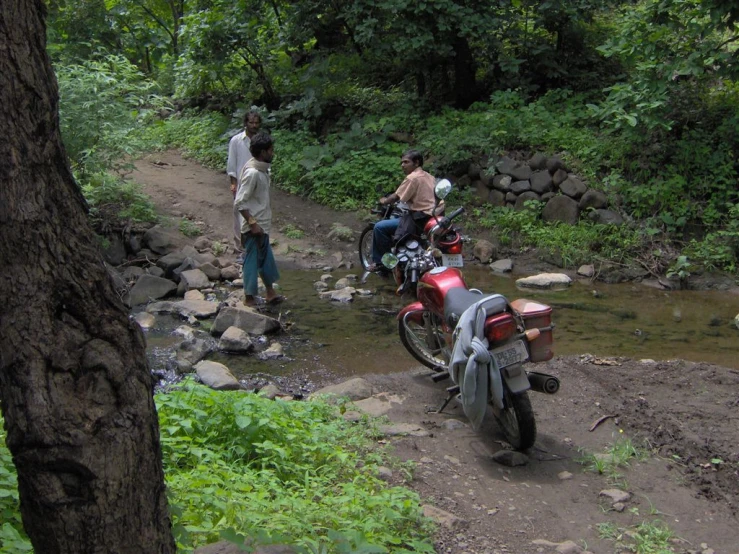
{"type": "Point", "coordinates": [341, 283]}
{"type": "Point", "coordinates": [274, 352]}
{"type": "Point", "coordinates": [200, 309]}
{"type": "Point", "coordinates": [326, 277]}
{"type": "Point", "coordinates": [191, 352]}
{"type": "Point", "coordinates": [320, 286]}
{"type": "Point", "coordinates": [216, 376]}
{"type": "Point", "coordinates": [484, 250]}
{"type": "Point", "coordinates": [444, 518]}
{"type": "Point", "coordinates": [544, 281]}
{"type": "Point", "coordinates": [184, 331]}
{"type": "Point", "coordinates": [145, 320]}
{"type": "Point", "coordinates": [510, 458]}
{"type": "Point", "coordinates": [354, 389]}
{"type": "Point", "coordinates": [586, 270]}
{"type": "Point", "coordinates": [149, 288]}
{"type": "Point", "coordinates": [235, 340]}
{"type": "Point", "coordinates": [502, 266]}
{"type": "Point", "coordinates": [246, 319]}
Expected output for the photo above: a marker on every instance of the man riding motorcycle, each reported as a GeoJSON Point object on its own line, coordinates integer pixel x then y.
{"type": "Point", "coordinates": [417, 190]}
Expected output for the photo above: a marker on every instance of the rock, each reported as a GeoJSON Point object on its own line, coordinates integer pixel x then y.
{"type": "Point", "coordinates": [496, 198]}
{"type": "Point", "coordinates": [573, 187]}
{"type": "Point", "coordinates": [502, 183]}
{"type": "Point", "coordinates": [326, 277]}
{"type": "Point", "coordinates": [341, 233]}
{"type": "Point", "coordinates": [192, 351]}
{"type": "Point", "coordinates": [554, 163]}
{"type": "Point", "coordinates": [454, 425]}
{"type": "Point", "coordinates": [354, 389]}
{"type": "Point", "coordinates": [473, 171]}
{"type": "Point", "coordinates": [564, 475]}
{"type": "Point", "coordinates": [343, 295]}
{"type": "Point", "coordinates": [517, 187]}
{"type": "Point", "coordinates": [484, 251]}
{"type": "Point", "coordinates": [194, 295]}
{"type": "Point", "coordinates": [185, 332]}
{"type": "Point", "coordinates": [541, 182]}
{"type": "Point", "coordinates": [510, 458]}
{"type": "Point", "coordinates": [230, 273]}
{"type": "Point", "coordinates": [444, 518]}
{"type": "Point", "coordinates": [505, 165]}
{"type": "Point", "coordinates": [145, 320]}
{"type": "Point", "coordinates": [170, 262]}
{"type": "Point", "coordinates": [523, 198]}
{"type": "Point", "coordinates": [235, 340]}
{"type": "Point", "coordinates": [593, 199]}
{"type": "Point", "coordinates": [605, 217]}
{"type": "Point", "coordinates": [544, 281]}
{"type": "Point", "coordinates": [736, 321]}
{"type": "Point", "coordinates": [616, 495]}
{"type": "Point", "coordinates": [384, 473]}
{"type": "Point", "coordinates": [115, 250]}
{"type": "Point", "coordinates": [194, 279]}
{"type": "Point", "coordinates": [378, 405]}
{"type": "Point", "coordinates": [502, 266]}
{"type": "Point", "coordinates": [216, 376]}
{"type": "Point", "coordinates": [567, 547]}
{"type": "Point", "coordinates": [586, 270]}
{"type": "Point", "coordinates": [364, 292]}
{"type": "Point", "coordinates": [559, 177]}
{"type": "Point", "coordinates": [272, 353]}
{"type": "Point", "coordinates": [160, 240]}
{"type": "Point", "coordinates": [211, 272]}
{"type": "Point", "coordinates": [561, 208]}
{"type": "Point", "coordinates": [202, 244]}
{"type": "Point", "coordinates": [155, 271]}
{"type": "Point", "coordinates": [246, 319]}
{"type": "Point", "coordinates": [200, 309]}
{"type": "Point", "coordinates": [132, 272]}
{"type": "Point", "coordinates": [320, 286]}
{"type": "Point", "coordinates": [341, 283]}
{"type": "Point", "coordinates": [538, 161]}
{"type": "Point", "coordinates": [521, 172]}
{"type": "Point", "coordinates": [271, 392]}
{"type": "Point", "coordinates": [148, 288]}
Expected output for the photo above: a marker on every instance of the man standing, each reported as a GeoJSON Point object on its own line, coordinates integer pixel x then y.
{"type": "Point", "coordinates": [417, 190]}
{"type": "Point", "coordinates": [252, 203]}
{"type": "Point", "coordinates": [238, 155]}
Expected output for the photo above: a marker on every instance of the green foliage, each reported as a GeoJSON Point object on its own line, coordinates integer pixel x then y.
{"type": "Point", "coordinates": [190, 228]}
{"type": "Point", "coordinates": [12, 536]}
{"type": "Point", "coordinates": [244, 463]}
{"type": "Point", "coordinates": [109, 197]}
{"type": "Point", "coordinates": [293, 232]}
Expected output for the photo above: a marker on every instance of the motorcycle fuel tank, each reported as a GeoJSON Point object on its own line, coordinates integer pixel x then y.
{"type": "Point", "coordinates": [434, 284]}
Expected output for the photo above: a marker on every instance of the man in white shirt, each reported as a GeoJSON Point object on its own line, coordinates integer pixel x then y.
{"type": "Point", "coordinates": [238, 155]}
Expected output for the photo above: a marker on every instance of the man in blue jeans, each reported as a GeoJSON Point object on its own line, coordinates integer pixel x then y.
{"type": "Point", "coordinates": [417, 190]}
{"type": "Point", "coordinates": [253, 202]}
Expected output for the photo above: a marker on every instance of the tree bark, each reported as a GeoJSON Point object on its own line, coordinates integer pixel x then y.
{"type": "Point", "coordinates": [75, 388]}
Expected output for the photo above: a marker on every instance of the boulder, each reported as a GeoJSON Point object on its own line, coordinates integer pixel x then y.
{"type": "Point", "coordinates": [484, 251]}
{"type": "Point", "coordinates": [496, 198]}
{"type": "Point", "coordinates": [115, 250]}
{"type": "Point", "coordinates": [502, 266]}
{"type": "Point", "coordinates": [505, 165]}
{"type": "Point", "coordinates": [354, 389]}
{"type": "Point", "coordinates": [190, 352]}
{"type": "Point", "coordinates": [160, 240]}
{"type": "Point", "coordinates": [202, 244]}
{"type": "Point", "coordinates": [211, 272]}
{"type": "Point", "coordinates": [586, 270]}
{"type": "Point", "coordinates": [194, 279]}
{"type": "Point", "coordinates": [230, 273]}
{"type": "Point", "coordinates": [502, 183]}
{"type": "Point", "coordinates": [246, 319]}
{"type": "Point", "coordinates": [554, 163]}
{"type": "Point", "coordinates": [148, 288]}
{"type": "Point", "coordinates": [473, 171]}
{"type": "Point", "coordinates": [523, 197]}
{"type": "Point", "coordinates": [517, 187]}
{"type": "Point", "coordinates": [593, 199]}
{"type": "Point", "coordinates": [200, 309]}
{"type": "Point", "coordinates": [544, 281]}
{"type": "Point", "coordinates": [170, 262]}
{"type": "Point", "coordinates": [541, 182]}
{"type": "Point", "coordinates": [237, 340]}
{"type": "Point", "coordinates": [559, 177]}
{"type": "Point", "coordinates": [561, 208]}
{"type": "Point", "coordinates": [194, 294]}
{"type": "Point", "coordinates": [216, 376]}
{"type": "Point", "coordinates": [521, 172]}
{"type": "Point", "coordinates": [538, 161]}
{"type": "Point", "coordinates": [573, 187]}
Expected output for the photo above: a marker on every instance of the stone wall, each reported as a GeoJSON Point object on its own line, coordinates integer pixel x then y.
{"type": "Point", "coordinates": [509, 182]}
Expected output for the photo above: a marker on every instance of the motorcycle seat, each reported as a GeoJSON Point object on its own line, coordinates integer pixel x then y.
{"type": "Point", "coordinates": [458, 299]}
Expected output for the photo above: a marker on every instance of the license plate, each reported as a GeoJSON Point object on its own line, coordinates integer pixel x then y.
{"type": "Point", "coordinates": [510, 354]}
{"type": "Point", "coordinates": [452, 260]}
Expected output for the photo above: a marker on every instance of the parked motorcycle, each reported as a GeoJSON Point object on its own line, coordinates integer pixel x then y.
{"type": "Point", "coordinates": [480, 341]}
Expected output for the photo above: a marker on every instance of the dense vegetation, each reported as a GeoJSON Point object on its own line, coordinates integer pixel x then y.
{"type": "Point", "coordinates": [640, 98]}
{"type": "Point", "coordinates": [239, 465]}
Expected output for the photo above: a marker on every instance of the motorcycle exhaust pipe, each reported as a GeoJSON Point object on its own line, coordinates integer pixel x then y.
{"type": "Point", "coordinates": [541, 382]}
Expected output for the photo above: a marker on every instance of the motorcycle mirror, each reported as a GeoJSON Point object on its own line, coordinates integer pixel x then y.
{"type": "Point", "coordinates": [443, 188]}
{"type": "Point", "coordinates": [389, 260]}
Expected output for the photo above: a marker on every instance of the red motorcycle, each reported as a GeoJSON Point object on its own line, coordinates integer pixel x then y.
{"type": "Point", "coordinates": [480, 341]}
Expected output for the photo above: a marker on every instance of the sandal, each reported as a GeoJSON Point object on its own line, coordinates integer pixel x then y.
{"type": "Point", "coordinates": [276, 300]}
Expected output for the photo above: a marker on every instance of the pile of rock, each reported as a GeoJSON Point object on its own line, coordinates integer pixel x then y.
{"type": "Point", "coordinates": [508, 182]}
{"type": "Point", "coordinates": [342, 290]}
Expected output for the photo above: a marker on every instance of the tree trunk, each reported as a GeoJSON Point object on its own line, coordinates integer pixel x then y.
{"type": "Point", "coordinates": [465, 80]}
{"type": "Point", "coordinates": [75, 389]}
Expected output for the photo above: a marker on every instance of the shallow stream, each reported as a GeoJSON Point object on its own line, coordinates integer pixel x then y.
{"type": "Point", "coordinates": [328, 338]}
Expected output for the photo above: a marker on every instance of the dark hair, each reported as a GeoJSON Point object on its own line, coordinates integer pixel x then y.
{"type": "Point", "coordinates": [251, 113]}
{"type": "Point", "coordinates": [260, 142]}
{"type": "Point", "coordinates": [415, 156]}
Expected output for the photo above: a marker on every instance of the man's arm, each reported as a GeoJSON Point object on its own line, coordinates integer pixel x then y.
{"type": "Point", "coordinates": [247, 186]}
{"type": "Point", "coordinates": [231, 166]}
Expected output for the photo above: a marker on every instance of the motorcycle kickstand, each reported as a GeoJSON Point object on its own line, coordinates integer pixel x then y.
{"type": "Point", "coordinates": [452, 392]}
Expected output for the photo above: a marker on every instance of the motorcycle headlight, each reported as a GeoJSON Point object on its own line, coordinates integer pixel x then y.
{"type": "Point", "coordinates": [389, 260]}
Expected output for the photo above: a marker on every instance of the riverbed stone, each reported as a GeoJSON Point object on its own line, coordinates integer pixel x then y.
{"type": "Point", "coordinates": [354, 389]}
{"type": "Point", "coordinates": [200, 309]}
{"type": "Point", "coordinates": [216, 376]}
{"type": "Point", "coordinates": [326, 277]}
{"type": "Point", "coordinates": [235, 340]}
{"type": "Point", "coordinates": [274, 351]}
{"type": "Point", "coordinates": [194, 279]}
{"type": "Point", "coordinates": [246, 319]}
{"type": "Point", "coordinates": [587, 270]}
{"type": "Point", "coordinates": [212, 272]}
{"type": "Point", "coordinates": [194, 295]}
{"type": "Point", "coordinates": [160, 240]}
{"type": "Point", "coordinates": [544, 281]}
{"type": "Point", "coordinates": [502, 266]}
{"type": "Point", "coordinates": [170, 262]}
{"type": "Point", "coordinates": [736, 321]}
{"type": "Point", "coordinates": [190, 352]}
{"type": "Point", "coordinates": [149, 288]}
{"type": "Point", "coordinates": [320, 286]}
{"type": "Point", "coordinates": [145, 320]}
{"type": "Point", "coordinates": [341, 283]}
{"type": "Point", "coordinates": [345, 294]}
{"type": "Point", "coordinates": [484, 251]}
{"type": "Point", "coordinates": [230, 273]}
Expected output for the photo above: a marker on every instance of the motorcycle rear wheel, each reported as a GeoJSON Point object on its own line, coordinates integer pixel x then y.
{"type": "Point", "coordinates": [517, 420]}
{"type": "Point", "coordinates": [365, 246]}
{"type": "Point", "coordinates": [426, 346]}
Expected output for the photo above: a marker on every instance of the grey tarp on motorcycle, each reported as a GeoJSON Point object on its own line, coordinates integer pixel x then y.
{"type": "Point", "coordinates": [471, 366]}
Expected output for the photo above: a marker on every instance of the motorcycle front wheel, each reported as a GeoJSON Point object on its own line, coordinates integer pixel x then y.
{"type": "Point", "coordinates": [517, 420]}
{"type": "Point", "coordinates": [425, 342]}
{"type": "Point", "coordinates": [365, 246]}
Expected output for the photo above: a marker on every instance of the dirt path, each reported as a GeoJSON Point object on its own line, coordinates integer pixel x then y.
{"type": "Point", "coordinates": [681, 415]}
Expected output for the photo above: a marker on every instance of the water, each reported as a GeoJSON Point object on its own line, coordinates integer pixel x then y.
{"type": "Point", "coordinates": [604, 320]}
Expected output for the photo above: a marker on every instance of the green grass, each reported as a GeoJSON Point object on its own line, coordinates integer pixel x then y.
{"type": "Point", "coordinates": [190, 228]}
{"type": "Point", "coordinates": [615, 456]}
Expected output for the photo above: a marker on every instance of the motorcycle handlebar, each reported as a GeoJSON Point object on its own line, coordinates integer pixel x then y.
{"type": "Point", "coordinates": [456, 213]}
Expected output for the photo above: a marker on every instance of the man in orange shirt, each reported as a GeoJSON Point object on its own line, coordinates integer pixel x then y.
{"type": "Point", "coordinates": [417, 190]}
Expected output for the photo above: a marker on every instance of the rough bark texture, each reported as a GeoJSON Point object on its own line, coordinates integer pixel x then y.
{"type": "Point", "coordinates": [75, 389]}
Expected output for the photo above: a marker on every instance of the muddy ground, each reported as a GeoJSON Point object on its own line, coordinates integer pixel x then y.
{"type": "Point", "coordinates": [682, 416]}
